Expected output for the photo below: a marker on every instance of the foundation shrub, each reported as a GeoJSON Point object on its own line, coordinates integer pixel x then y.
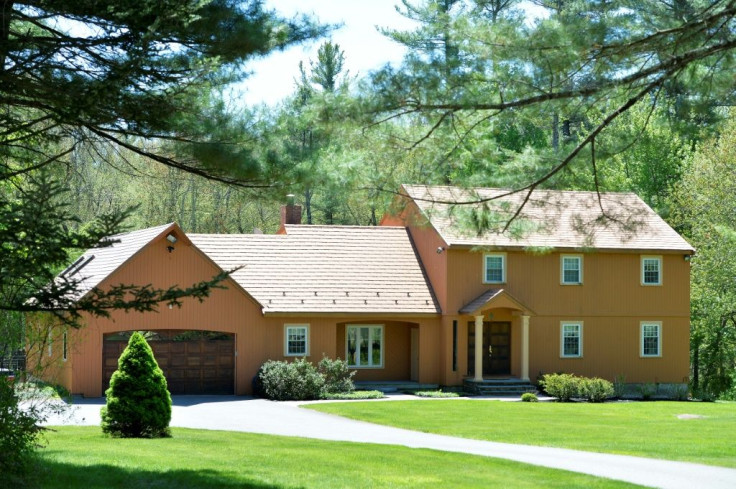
{"type": "Point", "coordinates": [529, 397]}
{"type": "Point", "coordinates": [595, 389]}
{"type": "Point", "coordinates": [290, 381]}
{"type": "Point", "coordinates": [337, 377]}
{"type": "Point", "coordinates": [563, 387]}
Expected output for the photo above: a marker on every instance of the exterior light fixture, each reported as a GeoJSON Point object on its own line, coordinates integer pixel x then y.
{"type": "Point", "coordinates": [440, 249]}
{"type": "Point", "coordinates": [171, 238]}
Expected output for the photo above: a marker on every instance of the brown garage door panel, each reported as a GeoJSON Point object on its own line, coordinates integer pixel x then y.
{"type": "Point", "coordinates": [193, 362]}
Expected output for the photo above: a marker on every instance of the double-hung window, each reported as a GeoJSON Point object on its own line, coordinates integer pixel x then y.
{"type": "Point", "coordinates": [651, 270]}
{"type": "Point", "coordinates": [296, 340]}
{"type": "Point", "coordinates": [494, 268]}
{"type": "Point", "coordinates": [571, 345]}
{"type": "Point", "coordinates": [651, 339]}
{"type": "Point", "coordinates": [571, 269]}
{"type": "Point", "coordinates": [364, 346]}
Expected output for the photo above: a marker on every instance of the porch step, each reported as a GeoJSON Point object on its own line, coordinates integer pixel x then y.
{"type": "Point", "coordinates": [498, 387]}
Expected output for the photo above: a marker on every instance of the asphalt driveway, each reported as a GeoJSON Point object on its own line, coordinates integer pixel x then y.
{"type": "Point", "coordinates": [288, 419]}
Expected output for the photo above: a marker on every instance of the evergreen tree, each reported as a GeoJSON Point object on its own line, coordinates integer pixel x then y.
{"type": "Point", "coordinates": [579, 64]}
{"type": "Point", "coordinates": [138, 401]}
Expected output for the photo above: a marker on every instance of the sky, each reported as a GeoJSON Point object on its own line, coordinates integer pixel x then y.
{"type": "Point", "coordinates": [365, 48]}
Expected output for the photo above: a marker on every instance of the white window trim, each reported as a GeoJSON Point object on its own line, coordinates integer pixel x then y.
{"type": "Point", "coordinates": [383, 345]}
{"type": "Point", "coordinates": [562, 269]}
{"type": "Point", "coordinates": [286, 340]}
{"type": "Point", "coordinates": [503, 268]}
{"type": "Point", "coordinates": [641, 267]}
{"type": "Point", "coordinates": [562, 338]}
{"type": "Point", "coordinates": [658, 324]}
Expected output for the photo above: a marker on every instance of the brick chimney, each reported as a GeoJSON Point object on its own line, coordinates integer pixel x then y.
{"type": "Point", "coordinates": [291, 213]}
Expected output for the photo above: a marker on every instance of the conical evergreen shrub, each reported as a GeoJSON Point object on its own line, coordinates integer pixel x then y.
{"type": "Point", "coordinates": [138, 400]}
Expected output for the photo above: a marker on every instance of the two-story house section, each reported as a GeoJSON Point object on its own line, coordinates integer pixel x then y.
{"type": "Point", "coordinates": [581, 282]}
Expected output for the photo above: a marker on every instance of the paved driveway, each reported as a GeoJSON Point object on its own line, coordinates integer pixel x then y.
{"type": "Point", "coordinates": [288, 419]}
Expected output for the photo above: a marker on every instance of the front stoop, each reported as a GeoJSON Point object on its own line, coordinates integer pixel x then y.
{"type": "Point", "coordinates": [498, 387]}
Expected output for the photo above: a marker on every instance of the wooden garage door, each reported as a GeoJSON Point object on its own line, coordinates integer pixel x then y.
{"type": "Point", "coordinates": [194, 362]}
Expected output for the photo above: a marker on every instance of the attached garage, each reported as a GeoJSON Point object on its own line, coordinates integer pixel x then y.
{"type": "Point", "coordinates": [193, 362]}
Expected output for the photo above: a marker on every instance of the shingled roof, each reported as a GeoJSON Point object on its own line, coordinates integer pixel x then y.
{"type": "Point", "coordinates": [550, 219]}
{"type": "Point", "coordinates": [97, 263]}
{"type": "Point", "coordinates": [326, 269]}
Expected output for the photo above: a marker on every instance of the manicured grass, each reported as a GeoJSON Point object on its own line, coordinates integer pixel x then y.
{"type": "Point", "coordinates": [81, 457]}
{"type": "Point", "coordinates": [648, 429]}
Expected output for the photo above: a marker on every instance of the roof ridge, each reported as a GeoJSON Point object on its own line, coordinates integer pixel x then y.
{"type": "Point", "coordinates": [506, 189]}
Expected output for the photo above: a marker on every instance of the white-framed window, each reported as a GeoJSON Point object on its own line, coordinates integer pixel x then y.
{"type": "Point", "coordinates": [364, 345]}
{"type": "Point", "coordinates": [651, 270]}
{"type": "Point", "coordinates": [571, 269]}
{"type": "Point", "coordinates": [651, 339]}
{"type": "Point", "coordinates": [296, 340]}
{"type": "Point", "coordinates": [494, 268]}
{"type": "Point", "coordinates": [571, 339]}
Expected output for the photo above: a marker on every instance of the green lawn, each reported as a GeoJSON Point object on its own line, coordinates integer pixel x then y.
{"type": "Point", "coordinates": [81, 457]}
{"type": "Point", "coordinates": [648, 429]}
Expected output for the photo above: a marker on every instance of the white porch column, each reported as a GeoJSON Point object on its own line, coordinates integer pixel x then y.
{"type": "Point", "coordinates": [478, 348]}
{"type": "Point", "coordinates": [524, 347]}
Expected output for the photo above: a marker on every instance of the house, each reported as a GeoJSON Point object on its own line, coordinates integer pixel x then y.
{"type": "Point", "coordinates": [415, 299]}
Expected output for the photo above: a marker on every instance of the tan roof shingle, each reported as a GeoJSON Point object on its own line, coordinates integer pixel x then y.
{"type": "Point", "coordinates": [326, 269]}
{"type": "Point", "coordinates": [550, 219]}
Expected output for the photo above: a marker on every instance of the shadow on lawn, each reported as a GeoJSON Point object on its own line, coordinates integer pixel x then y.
{"type": "Point", "coordinates": [59, 475]}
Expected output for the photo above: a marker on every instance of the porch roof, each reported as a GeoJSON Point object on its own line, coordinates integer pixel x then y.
{"type": "Point", "coordinates": [493, 299]}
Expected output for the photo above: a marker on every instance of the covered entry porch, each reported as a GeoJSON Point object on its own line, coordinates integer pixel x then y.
{"type": "Point", "coordinates": [498, 337]}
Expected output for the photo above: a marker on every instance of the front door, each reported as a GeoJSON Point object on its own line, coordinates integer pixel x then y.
{"type": "Point", "coordinates": [496, 348]}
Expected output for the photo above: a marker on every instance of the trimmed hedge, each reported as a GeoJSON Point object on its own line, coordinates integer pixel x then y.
{"type": "Point", "coordinates": [565, 387]}
{"type": "Point", "coordinates": [595, 389]}
{"type": "Point", "coordinates": [301, 381]}
{"type": "Point", "coordinates": [338, 378]}
{"type": "Point", "coordinates": [529, 397]}
{"type": "Point", "coordinates": [290, 381]}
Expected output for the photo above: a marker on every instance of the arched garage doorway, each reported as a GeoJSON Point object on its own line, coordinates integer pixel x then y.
{"type": "Point", "coordinates": [194, 362]}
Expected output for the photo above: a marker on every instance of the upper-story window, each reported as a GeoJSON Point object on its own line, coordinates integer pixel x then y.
{"type": "Point", "coordinates": [494, 268]}
{"type": "Point", "coordinates": [651, 270]}
{"type": "Point", "coordinates": [571, 269]}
